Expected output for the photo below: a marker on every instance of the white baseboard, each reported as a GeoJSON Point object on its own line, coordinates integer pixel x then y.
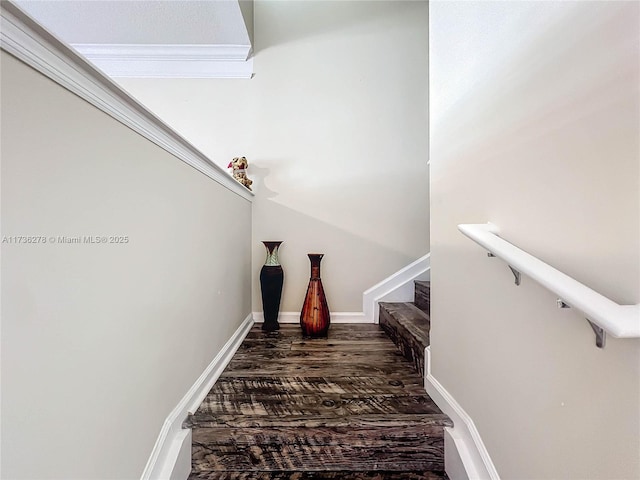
{"type": "Point", "coordinates": [466, 457]}
{"type": "Point", "coordinates": [452, 459]}
{"type": "Point", "coordinates": [177, 462]}
{"type": "Point", "coordinates": [336, 317]}
{"type": "Point", "coordinates": [170, 458]}
{"type": "Point", "coordinates": [395, 288]}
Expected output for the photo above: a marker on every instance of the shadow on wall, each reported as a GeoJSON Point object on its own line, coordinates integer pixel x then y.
{"type": "Point", "coordinates": [350, 14]}
{"type": "Point", "coordinates": [258, 175]}
{"type": "Point", "coordinates": [302, 234]}
{"type": "Point", "coordinates": [387, 208]}
{"type": "Point", "coordinates": [353, 261]}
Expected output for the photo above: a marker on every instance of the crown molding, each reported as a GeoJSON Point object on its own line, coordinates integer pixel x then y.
{"type": "Point", "coordinates": [164, 52]}
{"type": "Point", "coordinates": [29, 42]}
{"type": "Point", "coordinates": [170, 61]}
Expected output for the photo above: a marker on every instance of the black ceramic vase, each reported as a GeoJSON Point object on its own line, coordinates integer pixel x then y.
{"type": "Point", "coordinates": [271, 281]}
{"type": "Point", "coordinates": [315, 317]}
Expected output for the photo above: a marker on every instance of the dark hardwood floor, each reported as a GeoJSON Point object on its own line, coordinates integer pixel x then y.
{"type": "Point", "coordinates": [349, 406]}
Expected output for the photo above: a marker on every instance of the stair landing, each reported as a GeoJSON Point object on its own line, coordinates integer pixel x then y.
{"type": "Point", "coordinates": [349, 406]}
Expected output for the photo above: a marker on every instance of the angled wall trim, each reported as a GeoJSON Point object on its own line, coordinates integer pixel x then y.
{"type": "Point", "coordinates": [399, 284]}
{"type": "Point", "coordinates": [470, 459]}
{"type": "Point", "coordinates": [170, 61]}
{"type": "Point", "coordinates": [26, 40]}
{"type": "Point", "coordinates": [170, 458]}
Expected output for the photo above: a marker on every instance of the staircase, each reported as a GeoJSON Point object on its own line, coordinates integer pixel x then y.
{"type": "Point", "coordinates": [408, 324]}
{"type": "Point", "coordinates": [349, 406]}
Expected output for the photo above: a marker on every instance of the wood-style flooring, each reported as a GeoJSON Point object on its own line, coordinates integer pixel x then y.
{"type": "Point", "coordinates": [348, 406]}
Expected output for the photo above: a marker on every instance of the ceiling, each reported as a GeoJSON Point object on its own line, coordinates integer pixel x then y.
{"type": "Point", "coordinates": [165, 39]}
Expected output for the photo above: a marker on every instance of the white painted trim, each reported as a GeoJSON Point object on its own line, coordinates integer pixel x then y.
{"type": "Point", "coordinates": [164, 51]}
{"type": "Point", "coordinates": [336, 317]}
{"type": "Point", "coordinates": [170, 61]}
{"type": "Point", "coordinates": [177, 465]}
{"type": "Point", "coordinates": [171, 455]}
{"type": "Point", "coordinates": [25, 39]}
{"type": "Point", "coordinates": [394, 283]}
{"type": "Point", "coordinates": [454, 465]}
{"type": "Point", "coordinates": [152, 68]}
{"type": "Point", "coordinates": [471, 455]}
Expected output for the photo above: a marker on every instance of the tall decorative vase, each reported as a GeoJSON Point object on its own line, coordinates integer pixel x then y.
{"type": "Point", "coordinates": [315, 317]}
{"type": "Point", "coordinates": [271, 280]}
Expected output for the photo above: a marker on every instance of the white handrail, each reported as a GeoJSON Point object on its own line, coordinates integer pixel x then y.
{"type": "Point", "coordinates": [621, 321]}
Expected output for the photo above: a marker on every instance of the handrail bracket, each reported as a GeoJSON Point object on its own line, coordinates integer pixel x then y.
{"type": "Point", "coordinates": [601, 335]}
{"type": "Point", "coordinates": [516, 274]}
{"type": "Point", "coordinates": [605, 316]}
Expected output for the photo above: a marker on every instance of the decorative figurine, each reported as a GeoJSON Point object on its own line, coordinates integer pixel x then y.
{"type": "Point", "coordinates": [240, 165]}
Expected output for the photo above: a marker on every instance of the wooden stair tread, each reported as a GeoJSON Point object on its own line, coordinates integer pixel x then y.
{"type": "Point", "coordinates": [346, 332]}
{"type": "Point", "coordinates": [409, 328]}
{"type": "Point", "coordinates": [317, 404]}
{"type": "Point", "coordinates": [283, 356]}
{"type": "Point", "coordinates": [409, 383]}
{"type": "Point", "coordinates": [344, 475]}
{"type": "Point", "coordinates": [267, 457]}
{"type": "Point", "coordinates": [203, 420]}
{"type": "Point", "coordinates": [318, 436]}
{"type": "Point", "coordinates": [422, 295]}
{"type": "Point", "coordinates": [415, 321]}
{"type": "Point", "coordinates": [261, 412]}
{"type": "Point", "coordinates": [287, 369]}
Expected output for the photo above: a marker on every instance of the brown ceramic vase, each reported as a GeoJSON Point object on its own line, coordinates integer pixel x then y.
{"type": "Point", "coordinates": [315, 317]}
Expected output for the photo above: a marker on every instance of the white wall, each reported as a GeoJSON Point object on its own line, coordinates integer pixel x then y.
{"type": "Point", "coordinates": [100, 342]}
{"type": "Point", "coordinates": [535, 127]}
{"type": "Point", "coordinates": [334, 125]}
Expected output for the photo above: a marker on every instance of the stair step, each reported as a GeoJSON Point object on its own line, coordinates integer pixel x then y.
{"type": "Point", "coordinates": [326, 404]}
{"type": "Point", "coordinates": [422, 295]}
{"type": "Point", "coordinates": [361, 436]}
{"type": "Point", "coordinates": [408, 327]}
{"type": "Point", "coordinates": [270, 457]}
{"type": "Point", "coordinates": [409, 446]}
{"type": "Point", "coordinates": [299, 475]}
{"type": "Point", "coordinates": [289, 408]}
{"type": "Point", "coordinates": [270, 385]}
{"type": "Point", "coordinates": [353, 421]}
